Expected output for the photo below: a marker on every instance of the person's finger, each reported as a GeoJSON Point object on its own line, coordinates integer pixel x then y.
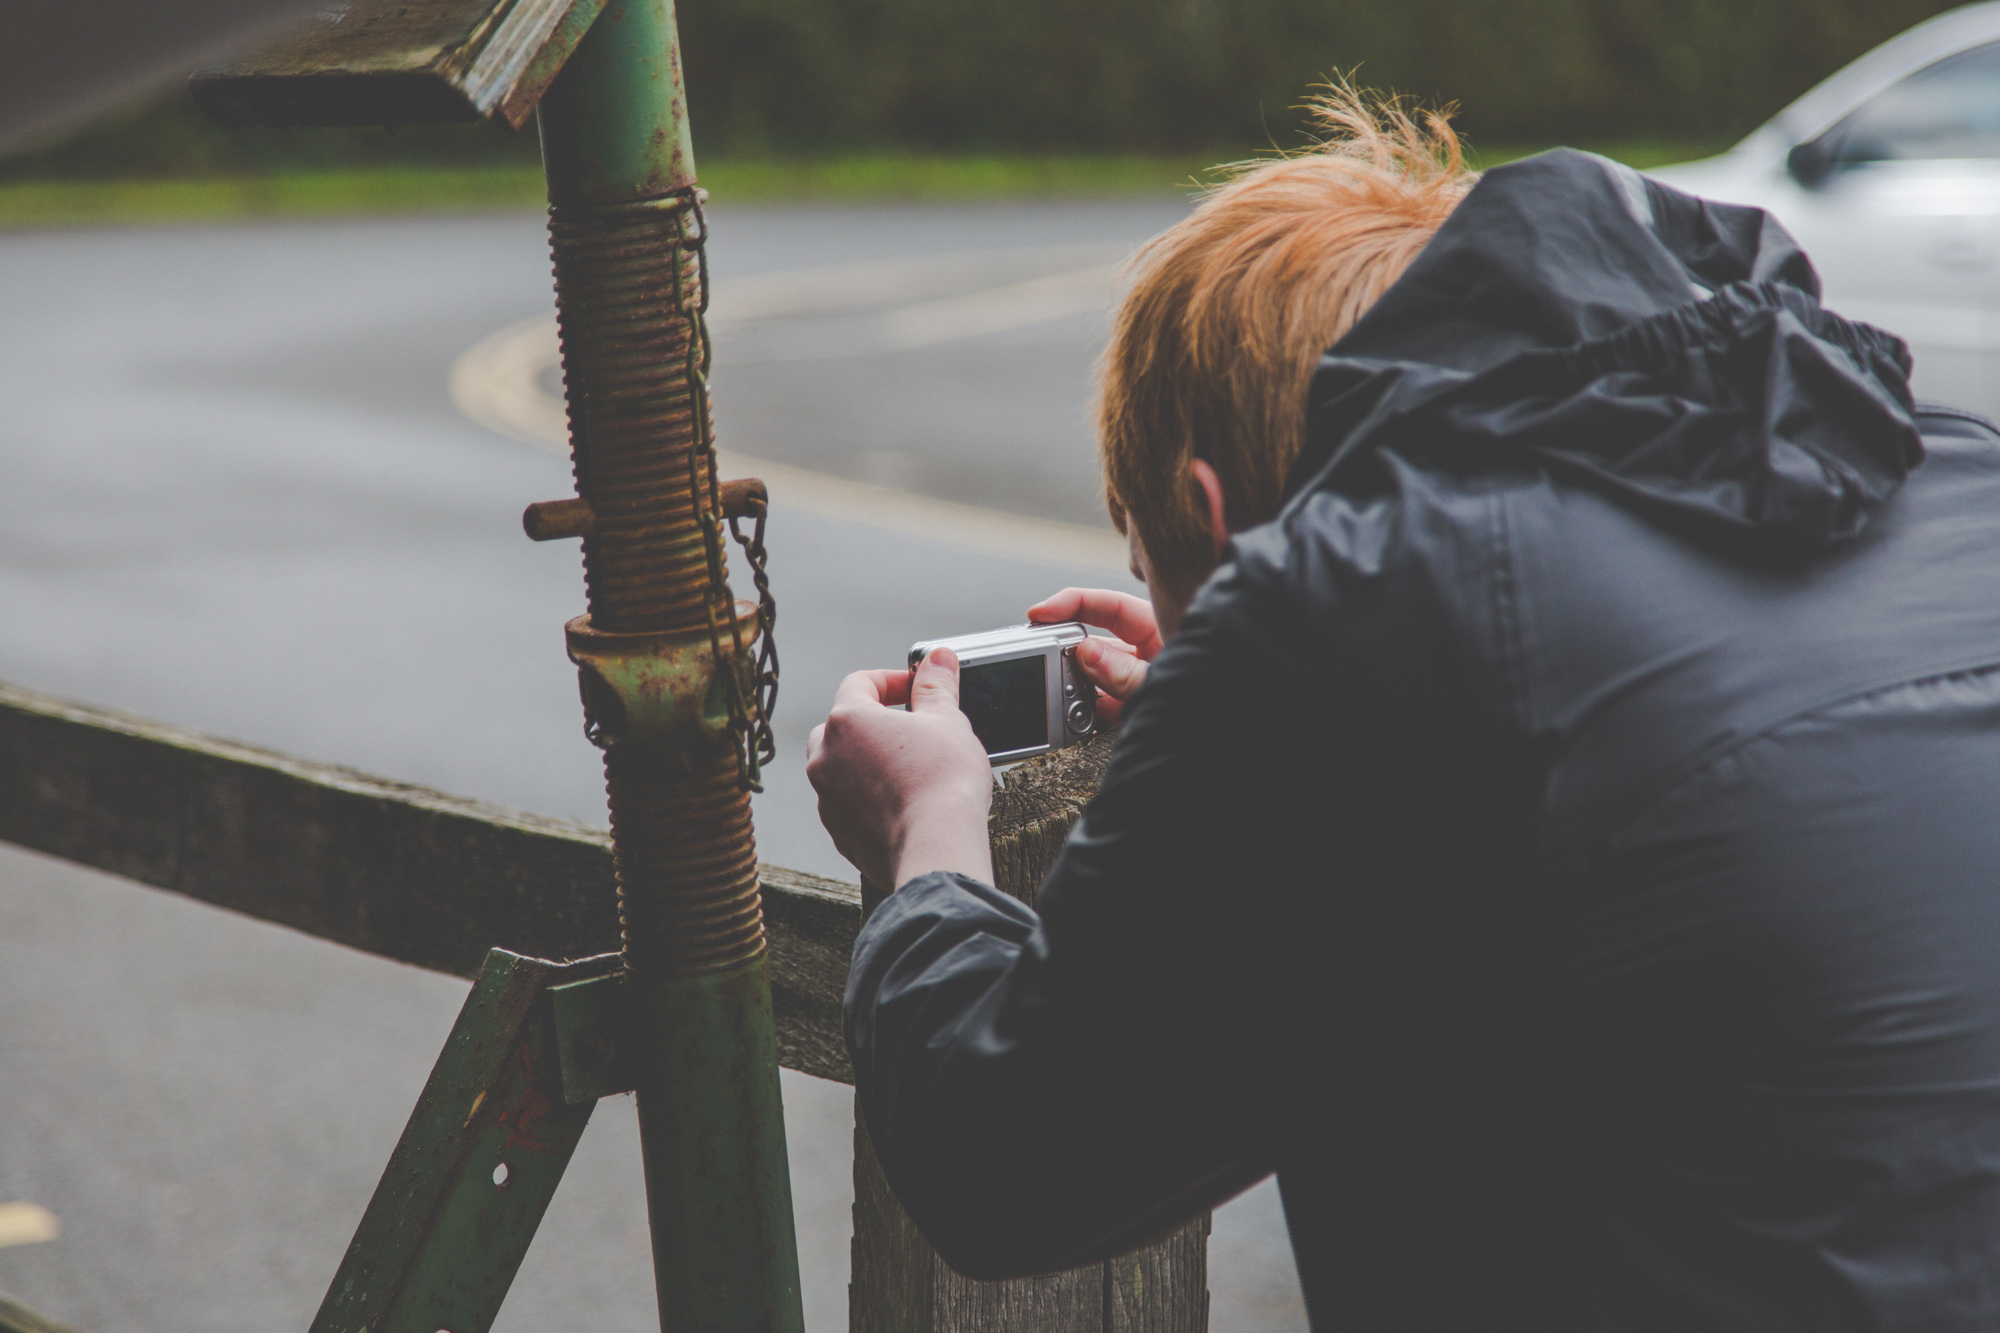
{"type": "Point", "coordinates": [1062, 606]}
{"type": "Point", "coordinates": [814, 740]}
{"type": "Point", "coordinates": [1129, 617]}
{"type": "Point", "coordinates": [1118, 674]}
{"type": "Point", "coordinates": [873, 687]}
{"type": "Point", "coordinates": [934, 687]}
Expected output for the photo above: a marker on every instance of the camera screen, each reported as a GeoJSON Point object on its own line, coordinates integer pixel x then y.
{"type": "Point", "coordinates": [1007, 702]}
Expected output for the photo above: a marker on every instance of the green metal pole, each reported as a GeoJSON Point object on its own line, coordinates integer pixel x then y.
{"type": "Point", "coordinates": [625, 231]}
{"type": "Point", "coordinates": [614, 123]}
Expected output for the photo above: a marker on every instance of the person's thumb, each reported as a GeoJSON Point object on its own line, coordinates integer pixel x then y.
{"type": "Point", "coordinates": [1113, 670]}
{"type": "Point", "coordinates": [935, 687]}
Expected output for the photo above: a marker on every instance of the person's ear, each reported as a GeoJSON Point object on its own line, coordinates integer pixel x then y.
{"type": "Point", "coordinates": [1208, 499]}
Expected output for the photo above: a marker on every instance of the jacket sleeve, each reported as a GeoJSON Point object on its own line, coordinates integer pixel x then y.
{"type": "Point", "coordinates": [1045, 1090]}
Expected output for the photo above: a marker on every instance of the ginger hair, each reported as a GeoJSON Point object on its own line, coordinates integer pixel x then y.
{"type": "Point", "coordinates": [1227, 313]}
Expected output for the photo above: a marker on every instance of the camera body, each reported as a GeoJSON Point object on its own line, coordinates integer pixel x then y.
{"type": "Point", "coordinates": [1022, 688]}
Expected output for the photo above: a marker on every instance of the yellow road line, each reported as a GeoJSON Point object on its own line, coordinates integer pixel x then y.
{"type": "Point", "coordinates": [498, 383]}
{"type": "Point", "coordinates": [27, 1224]}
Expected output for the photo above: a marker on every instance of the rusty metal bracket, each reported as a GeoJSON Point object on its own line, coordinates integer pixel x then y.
{"type": "Point", "coordinates": [660, 695]}
{"type": "Point", "coordinates": [594, 1038]}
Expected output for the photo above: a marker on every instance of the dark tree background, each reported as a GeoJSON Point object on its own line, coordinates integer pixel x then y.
{"type": "Point", "coordinates": [797, 77]}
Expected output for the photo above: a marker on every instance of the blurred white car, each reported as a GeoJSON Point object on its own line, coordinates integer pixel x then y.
{"type": "Point", "coordinates": [1889, 175]}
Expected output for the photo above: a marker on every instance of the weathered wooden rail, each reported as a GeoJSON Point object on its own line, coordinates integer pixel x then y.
{"type": "Point", "coordinates": [385, 867]}
{"type": "Point", "coordinates": [412, 874]}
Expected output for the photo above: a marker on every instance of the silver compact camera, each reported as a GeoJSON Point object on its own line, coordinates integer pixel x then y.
{"type": "Point", "coordinates": [1022, 688]}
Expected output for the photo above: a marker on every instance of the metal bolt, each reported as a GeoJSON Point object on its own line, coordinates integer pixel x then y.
{"type": "Point", "coordinates": [551, 520]}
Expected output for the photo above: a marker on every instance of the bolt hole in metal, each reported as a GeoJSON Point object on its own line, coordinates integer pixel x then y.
{"type": "Point", "coordinates": [500, 1174]}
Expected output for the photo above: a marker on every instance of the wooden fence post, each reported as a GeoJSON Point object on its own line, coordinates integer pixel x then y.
{"type": "Point", "coordinates": [898, 1284]}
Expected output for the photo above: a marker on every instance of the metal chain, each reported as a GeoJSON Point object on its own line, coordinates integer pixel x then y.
{"type": "Point", "coordinates": [751, 702]}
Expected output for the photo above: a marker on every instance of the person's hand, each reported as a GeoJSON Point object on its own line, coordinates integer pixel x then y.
{"type": "Point", "coordinates": [1117, 666]}
{"type": "Point", "coordinates": [903, 793]}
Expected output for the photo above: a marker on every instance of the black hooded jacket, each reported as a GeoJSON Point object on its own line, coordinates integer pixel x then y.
{"type": "Point", "coordinates": [1564, 845]}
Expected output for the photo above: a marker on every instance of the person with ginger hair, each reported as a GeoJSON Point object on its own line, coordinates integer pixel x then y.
{"type": "Point", "coordinates": [1213, 347]}
{"type": "Point", "coordinates": [1553, 822]}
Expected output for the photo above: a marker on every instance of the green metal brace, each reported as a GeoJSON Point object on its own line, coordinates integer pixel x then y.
{"type": "Point", "coordinates": [477, 1164]}
{"type": "Point", "coordinates": [536, 1046]}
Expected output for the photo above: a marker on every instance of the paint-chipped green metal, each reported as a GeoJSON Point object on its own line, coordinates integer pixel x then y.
{"type": "Point", "coordinates": [722, 1259]}
{"type": "Point", "coordinates": [474, 1171]}
{"type": "Point", "coordinates": [686, 1021]}
{"type": "Point", "coordinates": [614, 123]}
{"type": "Point", "coordinates": [695, 989]}
{"type": "Point", "coordinates": [662, 692]}
{"type": "Point", "coordinates": [705, 1030]}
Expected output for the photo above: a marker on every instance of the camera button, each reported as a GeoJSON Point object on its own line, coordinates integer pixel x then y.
{"type": "Point", "coordinates": [1081, 716]}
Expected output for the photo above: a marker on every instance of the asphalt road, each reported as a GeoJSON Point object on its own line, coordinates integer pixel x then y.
{"type": "Point", "coordinates": [236, 494]}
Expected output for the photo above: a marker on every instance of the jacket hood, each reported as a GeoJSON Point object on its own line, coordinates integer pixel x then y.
{"type": "Point", "coordinates": [1663, 350]}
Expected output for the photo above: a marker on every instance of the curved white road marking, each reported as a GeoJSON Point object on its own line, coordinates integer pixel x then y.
{"type": "Point", "coordinates": [881, 282]}
{"type": "Point", "coordinates": [1017, 305]}
{"type": "Point", "coordinates": [498, 383]}
{"type": "Point", "coordinates": [27, 1224]}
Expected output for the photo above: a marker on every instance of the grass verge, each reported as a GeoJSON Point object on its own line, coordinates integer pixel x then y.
{"type": "Point", "coordinates": [881, 177]}
{"type": "Point", "coordinates": [382, 191]}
